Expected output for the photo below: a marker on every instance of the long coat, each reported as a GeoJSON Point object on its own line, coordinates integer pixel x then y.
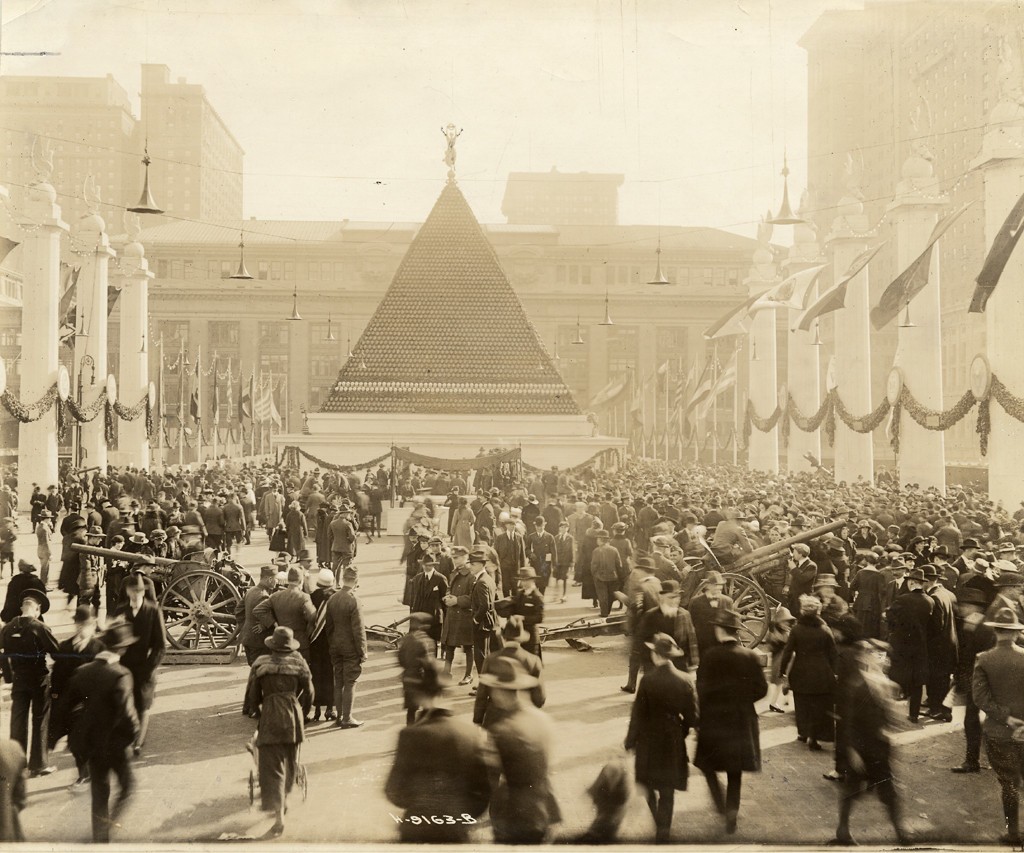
{"type": "Point", "coordinates": [295, 524]}
{"type": "Point", "coordinates": [108, 722]}
{"type": "Point", "coordinates": [458, 622]}
{"type": "Point", "coordinates": [291, 608]}
{"type": "Point", "coordinates": [730, 680]}
{"type": "Point", "coordinates": [812, 650]}
{"type": "Point", "coordinates": [462, 527]}
{"type": "Point", "coordinates": [281, 689]}
{"type": "Point", "coordinates": [320, 653]}
{"type": "Point", "coordinates": [439, 769]}
{"type": "Point", "coordinates": [942, 638]}
{"type": "Point", "coordinates": [664, 712]}
{"type": "Point", "coordinates": [909, 620]}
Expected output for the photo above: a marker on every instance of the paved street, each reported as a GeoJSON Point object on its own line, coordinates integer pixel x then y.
{"type": "Point", "coordinates": [192, 777]}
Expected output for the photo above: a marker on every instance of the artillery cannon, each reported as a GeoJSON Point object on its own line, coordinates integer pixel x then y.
{"type": "Point", "coordinates": [198, 599]}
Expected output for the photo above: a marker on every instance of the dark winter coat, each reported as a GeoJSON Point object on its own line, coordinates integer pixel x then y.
{"type": "Point", "coordinates": [909, 619]}
{"type": "Point", "coordinates": [664, 712]}
{"type": "Point", "coordinates": [812, 650]}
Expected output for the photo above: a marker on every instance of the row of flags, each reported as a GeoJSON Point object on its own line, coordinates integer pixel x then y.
{"type": "Point", "coordinates": [256, 399]}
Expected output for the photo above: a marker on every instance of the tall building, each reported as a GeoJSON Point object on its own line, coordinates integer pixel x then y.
{"type": "Point", "coordinates": [88, 123]}
{"type": "Point", "coordinates": [560, 198]}
{"type": "Point", "coordinates": [893, 79]}
{"type": "Point", "coordinates": [198, 162]}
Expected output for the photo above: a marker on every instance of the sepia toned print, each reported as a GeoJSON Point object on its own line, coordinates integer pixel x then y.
{"type": "Point", "coordinates": [566, 423]}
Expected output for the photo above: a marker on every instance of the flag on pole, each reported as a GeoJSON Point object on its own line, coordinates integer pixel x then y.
{"type": "Point", "coordinates": [701, 391]}
{"type": "Point", "coordinates": [998, 256]}
{"type": "Point", "coordinates": [229, 391]}
{"type": "Point", "coordinates": [636, 409]}
{"type": "Point", "coordinates": [733, 322]}
{"type": "Point", "coordinates": [727, 378]}
{"type": "Point", "coordinates": [195, 401]}
{"type": "Point", "coordinates": [67, 310]}
{"type": "Point", "coordinates": [216, 395]}
{"type": "Point", "coordinates": [262, 402]}
{"type": "Point", "coordinates": [835, 298]}
{"type": "Point", "coordinates": [791, 292]}
{"type": "Point", "coordinates": [913, 279]}
{"type": "Point", "coordinates": [610, 393]}
{"type": "Point", "coordinates": [275, 415]}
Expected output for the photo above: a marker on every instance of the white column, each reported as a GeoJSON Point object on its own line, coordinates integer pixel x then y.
{"type": "Point", "coordinates": [1002, 163]}
{"type": "Point", "coordinates": [133, 380]}
{"type": "Point", "coordinates": [37, 441]}
{"type": "Point", "coordinates": [763, 451]}
{"type": "Point", "coordinates": [915, 210]}
{"type": "Point", "coordinates": [854, 454]}
{"type": "Point", "coordinates": [93, 282]}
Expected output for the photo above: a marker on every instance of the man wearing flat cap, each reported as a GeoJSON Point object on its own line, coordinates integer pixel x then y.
{"type": "Point", "coordinates": [26, 643]}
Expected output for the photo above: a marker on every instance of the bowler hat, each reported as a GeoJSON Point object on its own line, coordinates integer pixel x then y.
{"type": "Point", "coordinates": [282, 640]}
{"type": "Point", "coordinates": [972, 595]}
{"type": "Point", "coordinates": [507, 674]}
{"type": "Point", "coordinates": [95, 532]}
{"type": "Point", "coordinates": [940, 551]}
{"type": "Point", "coordinates": [664, 646]}
{"type": "Point", "coordinates": [1006, 619]}
{"type": "Point", "coordinates": [727, 618]}
{"type": "Point", "coordinates": [645, 563]}
{"type": "Point", "coordinates": [669, 587]}
{"type": "Point", "coordinates": [930, 572]}
{"type": "Point", "coordinates": [1009, 577]}
{"type": "Point", "coordinates": [970, 543]}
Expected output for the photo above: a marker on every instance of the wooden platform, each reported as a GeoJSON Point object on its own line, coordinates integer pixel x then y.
{"type": "Point", "coordinates": [202, 657]}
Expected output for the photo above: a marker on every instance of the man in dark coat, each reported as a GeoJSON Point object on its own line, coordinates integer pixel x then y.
{"type": "Point", "coordinates": [25, 579]}
{"type": "Point", "coordinates": [910, 619]}
{"type": "Point", "coordinates": [291, 607]}
{"type": "Point", "coordinates": [607, 571]}
{"type": "Point", "coordinates": [511, 549]}
{"type": "Point", "coordinates": [942, 645]}
{"type": "Point", "coordinates": [342, 538]}
{"type": "Point", "coordinates": [704, 607]}
{"type": "Point", "coordinates": [669, 618]}
{"type": "Point", "coordinates": [146, 620]}
{"type": "Point", "coordinates": [440, 766]}
{"type": "Point", "coordinates": [426, 595]}
{"type": "Point", "coordinates": [514, 635]}
{"type": "Point", "coordinates": [730, 680]}
{"type": "Point", "coordinates": [664, 712]}
{"type": "Point", "coordinates": [802, 572]}
{"type": "Point", "coordinates": [482, 597]}
{"type": "Point", "coordinates": [346, 637]}
{"type": "Point", "coordinates": [26, 644]}
{"type": "Point", "coordinates": [107, 725]}
{"type": "Point", "coordinates": [12, 791]}
{"type": "Point", "coordinates": [974, 637]}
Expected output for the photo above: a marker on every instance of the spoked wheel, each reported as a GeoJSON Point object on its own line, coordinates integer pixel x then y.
{"type": "Point", "coordinates": [199, 610]}
{"type": "Point", "coordinates": [751, 602]}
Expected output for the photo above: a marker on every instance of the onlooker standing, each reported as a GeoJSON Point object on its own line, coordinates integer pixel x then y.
{"type": "Point", "coordinates": [342, 537]}
{"type": "Point", "coordinates": [346, 637]}
{"type": "Point", "coordinates": [291, 607]}
{"type": "Point", "coordinates": [482, 596]}
{"type": "Point", "coordinates": [26, 643]}
{"type": "Point", "coordinates": [44, 536]}
{"type": "Point", "coordinates": [974, 637]}
{"type": "Point", "coordinates": [320, 648]}
{"type": "Point", "coordinates": [809, 662]}
{"type": "Point", "coordinates": [252, 632]}
{"type": "Point", "coordinates": [998, 687]}
{"type": "Point", "coordinates": [606, 568]}
{"type": "Point", "coordinates": [704, 607]}
{"type": "Point", "coordinates": [107, 725]}
{"type": "Point", "coordinates": [730, 680]}
{"type": "Point", "coordinates": [909, 619]}
{"type": "Point", "coordinates": [565, 549]}
{"type": "Point", "coordinates": [664, 712]}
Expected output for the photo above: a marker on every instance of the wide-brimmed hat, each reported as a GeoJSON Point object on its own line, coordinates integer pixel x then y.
{"type": "Point", "coordinates": [916, 575]}
{"type": "Point", "coordinates": [119, 635]}
{"type": "Point", "coordinates": [282, 640]}
{"type": "Point", "coordinates": [507, 674]}
{"type": "Point", "coordinates": [139, 539]}
{"type": "Point", "coordinates": [1006, 619]}
{"type": "Point", "coordinates": [157, 533]}
{"type": "Point", "coordinates": [727, 618]}
{"type": "Point", "coordinates": [644, 563]}
{"type": "Point", "coordinates": [95, 532]}
{"type": "Point", "coordinates": [825, 580]}
{"type": "Point", "coordinates": [38, 596]}
{"type": "Point", "coordinates": [325, 579]}
{"type": "Point", "coordinates": [45, 514]}
{"type": "Point", "coordinates": [972, 595]}
{"type": "Point", "coordinates": [526, 573]}
{"type": "Point", "coordinates": [1008, 577]}
{"type": "Point", "coordinates": [664, 646]}
{"type": "Point", "coordinates": [478, 555]}
{"type": "Point", "coordinates": [459, 550]}
{"type": "Point", "coordinates": [970, 543]}
{"type": "Point", "coordinates": [515, 630]}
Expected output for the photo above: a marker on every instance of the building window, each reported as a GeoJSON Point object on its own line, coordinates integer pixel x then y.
{"type": "Point", "coordinates": [224, 334]}
{"type": "Point", "coordinates": [339, 271]}
{"type": "Point", "coordinates": [174, 334]}
{"type": "Point", "coordinates": [314, 271]}
{"type": "Point", "coordinates": [289, 270]}
{"type": "Point", "coordinates": [318, 335]}
{"type": "Point", "coordinates": [323, 366]}
{"type": "Point", "coordinates": [10, 336]}
{"type": "Point", "coordinates": [273, 334]}
{"type": "Point", "coordinates": [670, 346]}
{"type": "Point", "coordinates": [275, 271]}
{"type": "Point", "coordinates": [189, 272]}
{"type": "Point", "coordinates": [708, 276]}
{"type": "Point", "coordinates": [162, 268]}
{"type": "Point", "coordinates": [273, 367]}
{"type": "Point", "coordinates": [264, 271]}
{"type": "Point", "coordinates": [622, 350]}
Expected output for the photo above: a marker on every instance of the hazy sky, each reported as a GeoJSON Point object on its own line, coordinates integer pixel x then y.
{"type": "Point", "coordinates": [339, 105]}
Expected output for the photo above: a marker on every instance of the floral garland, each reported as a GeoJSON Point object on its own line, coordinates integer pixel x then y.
{"type": "Point", "coordinates": [936, 421]}
{"type": "Point", "coordinates": [33, 411]}
{"type": "Point", "coordinates": [62, 420]}
{"type": "Point", "coordinates": [1013, 406]}
{"type": "Point", "coordinates": [983, 426]}
{"type": "Point", "coordinates": [90, 412]}
{"type": "Point", "coordinates": [784, 424]}
{"type": "Point", "coordinates": [830, 420]}
{"type": "Point", "coordinates": [864, 423]}
{"type": "Point", "coordinates": [763, 424]}
{"type": "Point", "coordinates": [894, 439]}
{"type": "Point", "coordinates": [135, 412]}
{"type": "Point", "coordinates": [150, 425]}
{"type": "Point", "coordinates": [812, 423]}
{"type": "Point", "coordinates": [109, 429]}
{"type": "Point", "coordinates": [323, 463]}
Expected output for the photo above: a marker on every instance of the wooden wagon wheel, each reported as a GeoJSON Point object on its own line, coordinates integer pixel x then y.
{"type": "Point", "coordinates": [199, 610]}
{"type": "Point", "coordinates": [753, 606]}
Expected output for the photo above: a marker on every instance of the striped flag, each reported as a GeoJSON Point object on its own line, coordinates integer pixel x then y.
{"type": "Point", "coordinates": [727, 378]}
{"type": "Point", "coordinates": [195, 401]}
{"type": "Point", "coordinates": [262, 403]}
{"type": "Point", "coordinates": [66, 312]}
{"type": "Point", "coordinates": [216, 395]}
{"type": "Point", "coordinates": [246, 393]}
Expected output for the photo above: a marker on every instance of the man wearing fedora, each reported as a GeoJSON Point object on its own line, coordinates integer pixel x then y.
{"type": "Point", "coordinates": [106, 726]}
{"type": "Point", "coordinates": [514, 635]}
{"type": "Point", "coordinates": [909, 619]}
{"type": "Point", "coordinates": [607, 571]}
{"type": "Point", "coordinates": [482, 598]}
{"type": "Point", "coordinates": [426, 595]}
{"type": "Point", "coordinates": [669, 618]}
{"type": "Point", "coordinates": [1009, 586]}
{"type": "Point", "coordinates": [510, 546]}
{"type": "Point", "coordinates": [291, 607]}
{"type": "Point", "coordinates": [997, 688]}
{"type": "Point", "coordinates": [663, 714]}
{"type": "Point", "coordinates": [541, 550]}
{"type": "Point", "coordinates": [146, 621]}
{"type": "Point", "coordinates": [642, 594]}
{"type": "Point", "coordinates": [704, 606]}
{"type": "Point", "coordinates": [730, 680]}
{"type": "Point", "coordinates": [523, 806]}
{"type": "Point", "coordinates": [251, 633]}
{"type": "Point", "coordinates": [973, 637]}
{"type": "Point", "coordinates": [867, 587]}
{"type": "Point", "coordinates": [528, 602]}
{"type": "Point", "coordinates": [281, 690]}
{"type": "Point", "coordinates": [26, 643]}
{"type": "Point", "coordinates": [440, 766]}
{"type": "Point", "coordinates": [942, 645]}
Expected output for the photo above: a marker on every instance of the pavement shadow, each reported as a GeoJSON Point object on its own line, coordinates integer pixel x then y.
{"type": "Point", "coordinates": [203, 687]}
{"type": "Point", "coordinates": [193, 824]}
{"type": "Point", "coordinates": [599, 714]}
{"type": "Point", "coordinates": [174, 737]}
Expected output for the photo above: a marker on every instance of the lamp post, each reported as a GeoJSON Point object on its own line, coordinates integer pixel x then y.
{"type": "Point", "coordinates": [84, 362]}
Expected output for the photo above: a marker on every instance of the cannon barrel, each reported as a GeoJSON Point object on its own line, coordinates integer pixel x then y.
{"type": "Point", "coordinates": [759, 555]}
{"type": "Point", "coordinates": [121, 555]}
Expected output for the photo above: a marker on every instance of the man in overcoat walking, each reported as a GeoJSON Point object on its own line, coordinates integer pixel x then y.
{"type": "Point", "coordinates": [730, 680]}
{"type": "Point", "coordinates": [942, 645]}
{"type": "Point", "coordinates": [346, 637]}
{"type": "Point", "coordinates": [143, 656]}
{"type": "Point", "coordinates": [664, 712]}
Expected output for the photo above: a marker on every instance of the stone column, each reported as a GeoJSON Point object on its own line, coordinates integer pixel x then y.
{"type": "Point", "coordinates": [93, 283]}
{"type": "Point", "coordinates": [854, 454]}
{"type": "Point", "coordinates": [37, 441]}
{"type": "Point", "coordinates": [133, 382]}
{"type": "Point", "coordinates": [915, 210]}
{"type": "Point", "coordinates": [803, 371]}
{"type": "Point", "coordinates": [1002, 162]}
{"type": "Point", "coordinates": [763, 452]}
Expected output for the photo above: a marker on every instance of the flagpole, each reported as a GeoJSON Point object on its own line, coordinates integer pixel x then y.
{"type": "Point", "coordinates": [181, 405]}
{"type": "Point", "coordinates": [736, 405]}
{"type": "Point", "coordinates": [216, 410]}
{"type": "Point", "coordinates": [199, 405]}
{"type": "Point", "coordinates": [696, 425]}
{"type": "Point", "coordinates": [714, 406]}
{"type": "Point", "coordinates": [160, 405]}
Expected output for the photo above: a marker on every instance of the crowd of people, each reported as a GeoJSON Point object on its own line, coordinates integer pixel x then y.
{"type": "Point", "coordinates": [878, 595]}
